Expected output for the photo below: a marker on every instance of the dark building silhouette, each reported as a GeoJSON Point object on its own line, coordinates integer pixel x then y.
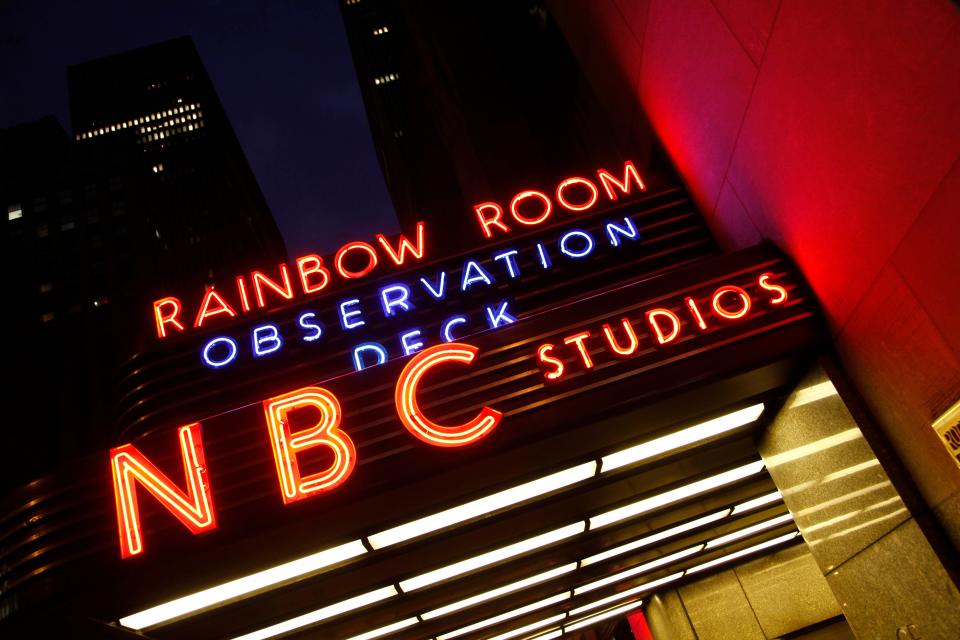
{"type": "Point", "coordinates": [453, 128]}
{"type": "Point", "coordinates": [152, 193]}
{"type": "Point", "coordinates": [77, 248]}
{"type": "Point", "coordinates": [158, 107]}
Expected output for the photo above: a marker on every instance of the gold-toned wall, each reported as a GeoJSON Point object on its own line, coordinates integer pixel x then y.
{"type": "Point", "coordinates": [873, 554]}
{"type": "Point", "coordinates": [765, 598]}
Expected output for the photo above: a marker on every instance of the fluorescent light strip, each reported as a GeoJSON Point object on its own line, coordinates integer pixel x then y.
{"type": "Point", "coordinates": [533, 626]}
{"type": "Point", "coordinates": [639, 569]}
{"type": "Point", "coordinates": [515, 613]}
{"type": "Point", "coordinates": [747, 531]}
{"type": "Point", "coordinates": [382, 631]}
{"type": "Point", "coordinates": [491, 557]}
{"type": "Point", "coordinates": [483, 506]}
{"type": "Point", "coordinates": [549, 635]}
{"type": "Point", "coordinates": [610, 613]}
{"type": "Point", "coordinates": [646, 586]}
{"type": "Point", "coordinates": [657, 537]}
{"type": "Point", "coordinates": [496, 593]}
{"type": "Point", "coordinates": [242, 587]}
{"type": "Point", "coordinates": [743, 552]}
{"type": "Point", "coordinates": [531, 544]}
{"type": "Point", "coordinates": [249, 585]}
{"type": "Point", "coordinates": [675, 495]}
{"type": "Point", "coordinates": [681, 438]}
{"type": "Point", "coordinates": [757, 502]}
{"type": "Point", "coordinates": [515, 495]}
{"type": "Point", "coordinates": [815, 447]}
{"type": "Point", "coordinates": [323, 613]}
{"type": "Point", "coordinates": [812, 393]}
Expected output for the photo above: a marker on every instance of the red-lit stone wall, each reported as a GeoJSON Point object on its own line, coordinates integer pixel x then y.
{"type": "Point", "coordinates": [833, 129]}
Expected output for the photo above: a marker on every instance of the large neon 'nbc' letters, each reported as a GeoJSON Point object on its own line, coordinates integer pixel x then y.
{"type": "Point", "coordinates": [194, 507]}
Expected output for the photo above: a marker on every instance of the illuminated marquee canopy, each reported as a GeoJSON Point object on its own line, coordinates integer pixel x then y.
{"type": "Point", "coordinates": [607, 341]}
{"type": "Point", "coordinates": [355, 419]}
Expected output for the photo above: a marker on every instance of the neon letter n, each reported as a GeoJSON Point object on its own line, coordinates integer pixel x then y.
{"type": "Point", "coordinates": [193, 507]}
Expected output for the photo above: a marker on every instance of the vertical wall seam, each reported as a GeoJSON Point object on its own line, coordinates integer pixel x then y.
{"type": "Point", "coordinates": [746, 597]}
{"type": "Point", "coordinates": [736, 37]}
{"type": "Point", "coordinates": [746, 109]}
{"type": "Point", "coordinates": [743, 206]}
{"type": "Point", "coordinates": [686, 613]}
{"type": "Point", "coordinates": [623, 18]}
{"type": "Point", "coordinates": [889, 262]}
{"type": "Point", "coordinates": [643, 51]}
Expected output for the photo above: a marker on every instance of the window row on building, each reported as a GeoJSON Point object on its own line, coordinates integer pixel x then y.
{"type": "Point", "coordinates": [153, 117]}
{"type": "Point", "coordinates": [169, 132]}
{"type": "Point", "coordinates": [390, 77]}
{"type": "Point", "coordinates": [171, 122]}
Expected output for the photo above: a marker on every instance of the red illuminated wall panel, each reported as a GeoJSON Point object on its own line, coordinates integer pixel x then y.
{"type": "Point", "coordinates": [832, 129]}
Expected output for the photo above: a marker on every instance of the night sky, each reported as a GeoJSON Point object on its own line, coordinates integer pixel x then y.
{"type": "Point", "coordinates": [283, 72]}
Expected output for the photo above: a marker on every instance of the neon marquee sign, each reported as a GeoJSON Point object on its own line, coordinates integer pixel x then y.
{"type": "Point", "coordinates": [664, 325]}
{"type": "Point", "coordinates": [486, 275]}
{"type": "Point", "coordinates": [667, 323]}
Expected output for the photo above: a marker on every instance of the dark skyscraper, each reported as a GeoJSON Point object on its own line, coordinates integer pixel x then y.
{"type": "Point", "coordinates": [153, 193]}
{"type": "Point", "coordinates": [77, 247]}
{"type": "Point", "coordinates": [158, 107]}
{"type": "Point", "coordinates": [454, 129]}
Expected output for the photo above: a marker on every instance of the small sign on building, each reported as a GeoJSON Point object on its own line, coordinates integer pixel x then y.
{"type": "Point", "coordinates": [947, 427]}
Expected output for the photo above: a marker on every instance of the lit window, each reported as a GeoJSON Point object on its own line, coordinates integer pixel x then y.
{"type": "Point", "coordinates": [157, 168]}
{"type": "Point", "coordinates": [380, 31]}
{"type": "Point", "coordinates": [14, 212]}
{"type": "Point", "coordinates": [47, 317]}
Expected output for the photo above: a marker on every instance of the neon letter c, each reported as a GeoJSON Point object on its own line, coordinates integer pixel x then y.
{"type": "Point", "coordinates": [409, 409]}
